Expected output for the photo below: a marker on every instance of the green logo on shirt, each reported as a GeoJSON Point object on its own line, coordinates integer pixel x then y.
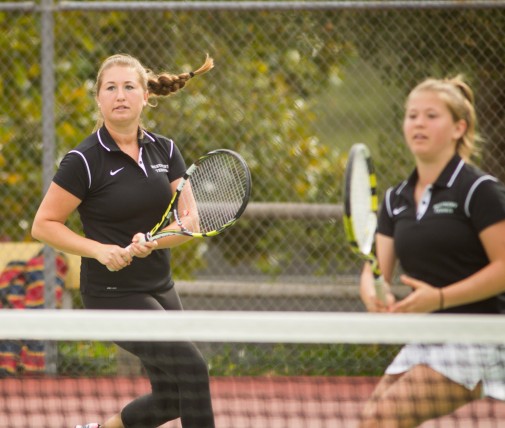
{"type": "Point", "coordinates": [445, 207]}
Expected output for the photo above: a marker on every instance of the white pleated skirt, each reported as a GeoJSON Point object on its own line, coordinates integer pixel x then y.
{"type": "Point", "coordinates": [465, 364]}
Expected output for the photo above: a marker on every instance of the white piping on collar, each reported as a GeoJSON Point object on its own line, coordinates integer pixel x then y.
{"type": "Point", "coordinates": [400, 188]}
{"type": "Point", "coordinates": [456, 173]}
{"type": "Point", "coordinates": [101, 142]}
{"type": "Point", "coordinates": [106, 148]}
{"type": "Point", "coordinates": [147, 135]}
{"type": "Point", "coordinates": [424, 203]}
{"type": "Point", "coordinates": [141, 162]}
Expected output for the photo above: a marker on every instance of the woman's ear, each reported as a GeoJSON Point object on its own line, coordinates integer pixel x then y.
{"type": "Point", "coordinates": [460, 129]}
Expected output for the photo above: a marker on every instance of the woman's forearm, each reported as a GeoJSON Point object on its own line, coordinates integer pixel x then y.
{"type": "Point", "coordinates": [60, 237]}
{"type": "Point", "coordinates": [486, 283]}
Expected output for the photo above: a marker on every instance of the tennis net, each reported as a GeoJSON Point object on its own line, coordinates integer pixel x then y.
{"type": "Point", "coordinates": [268, 369]}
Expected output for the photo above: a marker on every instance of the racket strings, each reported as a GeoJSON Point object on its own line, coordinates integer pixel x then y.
{"type": "Point", "coordinates": [363, 217]}
{"type": "Point", "coordinates": [219, 188]}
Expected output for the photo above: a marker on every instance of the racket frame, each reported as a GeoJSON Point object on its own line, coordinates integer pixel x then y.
{"type": "Point", "coordinates": [360, 149]}
{"type": "Point", "coordinates": [172, 213]}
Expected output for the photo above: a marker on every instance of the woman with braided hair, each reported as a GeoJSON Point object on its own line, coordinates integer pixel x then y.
{"type": "Point", "coordinates": [120, 179]}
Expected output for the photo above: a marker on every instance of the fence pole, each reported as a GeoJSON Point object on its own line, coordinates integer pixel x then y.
{"type": "Point", "coordinates": [48, 142]}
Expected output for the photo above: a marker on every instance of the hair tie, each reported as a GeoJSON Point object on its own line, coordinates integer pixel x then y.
{"type": "Point", "coordinates": [191, 74]}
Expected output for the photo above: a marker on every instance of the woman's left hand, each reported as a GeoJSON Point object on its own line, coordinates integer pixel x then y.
{"type": "Point", "coordinates": [424, 298]}
{"type": "Point", "coordinates": [140, 248]}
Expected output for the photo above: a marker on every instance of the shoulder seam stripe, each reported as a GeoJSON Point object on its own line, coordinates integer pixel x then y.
{"type": "Point", "coordinates": [388, 202]}
{"type": "Point", "coordinates": [171, 148]}
{"type": "Point", "coordinates": [85, 163]}
{"type": "Point", "coordinates": [472, 190]}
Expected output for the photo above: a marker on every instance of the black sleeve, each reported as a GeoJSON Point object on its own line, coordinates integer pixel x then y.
{"type": "Point", "coordinates": [385, 224]}
{"type": "Point", "coordinates": [177, 164]}
{"type": "Point", "coordinates": [73, 175]}
{"type": "Point", "coordinates": [486, 203]}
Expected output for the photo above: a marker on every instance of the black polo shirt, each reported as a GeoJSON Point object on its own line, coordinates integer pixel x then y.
{"type": "Point", "coordinates": [437, 242]}
{"type": "Point", "coordinates": [121, 197]}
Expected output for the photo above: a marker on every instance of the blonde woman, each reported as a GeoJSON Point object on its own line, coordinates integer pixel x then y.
{"type": "Point", "coordinates": [120, 180]}
{"type": "Point", "coordinates": [445, 224]}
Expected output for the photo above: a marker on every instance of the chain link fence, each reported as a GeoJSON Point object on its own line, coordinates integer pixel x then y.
{"type": "Point", "coordinates": [294, 86]}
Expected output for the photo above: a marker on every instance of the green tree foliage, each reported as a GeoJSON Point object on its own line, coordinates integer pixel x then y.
{"type": "Point", "coordinates": [265, 98]}
{"type": "Point", "coordinates": [20, 128]}
{"type": "Point", "coordinates": [410, 45]}
{"type": "Point", "coordinates": [258, 100]}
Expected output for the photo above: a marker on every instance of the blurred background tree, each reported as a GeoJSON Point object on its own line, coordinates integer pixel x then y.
{"type": "Point", "coordinates": [291, 91]}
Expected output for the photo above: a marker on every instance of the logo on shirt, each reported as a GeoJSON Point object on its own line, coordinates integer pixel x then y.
{"type": "Point", "coordinates": [160, 167]}
{"type": "Point", "coordinates": [445, 207]}
{"type": "Point", "coordinates": [399, 210]}
{"type": "Point", "coordinates": [116, 171]}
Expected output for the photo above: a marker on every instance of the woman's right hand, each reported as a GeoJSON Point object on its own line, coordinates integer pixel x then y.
{"type": "Point", "coordinates": [113, 257]}
{"type": "Point", "coordinates": [368, 294]}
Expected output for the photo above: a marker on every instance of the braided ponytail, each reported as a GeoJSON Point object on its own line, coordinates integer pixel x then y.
{"type": "Point", "coordinates": [166, 84]}
{"type": "Point", "coordinates": [157, 85]}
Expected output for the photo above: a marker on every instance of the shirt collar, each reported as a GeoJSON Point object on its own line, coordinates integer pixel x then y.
{"type": "Point", "coordinates": [446, 179]}
{"type": "Point", "coordinates": [450, 172]}
{"type": "Point", "coordinates": [108, 143]}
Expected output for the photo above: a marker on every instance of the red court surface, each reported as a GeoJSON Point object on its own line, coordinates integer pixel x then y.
{"type": "Point", "coordinates": [246, 402]}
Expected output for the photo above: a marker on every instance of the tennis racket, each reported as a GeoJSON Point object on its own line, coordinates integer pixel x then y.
{"type": "Point", "coordinates": [210, 198]}
{"type": "Point", "coordinates": [360, 210]}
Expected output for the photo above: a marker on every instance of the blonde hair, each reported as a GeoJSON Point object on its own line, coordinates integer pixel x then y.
{"type": "Point", "coordinates": [459, 98]}
{"type": "Point", "coordinates": [157, 85]}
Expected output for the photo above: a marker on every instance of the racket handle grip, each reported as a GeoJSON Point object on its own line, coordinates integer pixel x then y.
{"type": "Point", "coordinates": [380, 289]}
{"type": "Point", "coordinates": [142, 240]}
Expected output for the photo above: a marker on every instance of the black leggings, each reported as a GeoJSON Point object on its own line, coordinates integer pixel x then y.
{"type": "Point", "coordinates": [177, 371]}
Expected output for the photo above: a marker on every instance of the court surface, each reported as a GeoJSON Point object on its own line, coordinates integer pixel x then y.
{"type": "Point", "coordinates": [259, 402]}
